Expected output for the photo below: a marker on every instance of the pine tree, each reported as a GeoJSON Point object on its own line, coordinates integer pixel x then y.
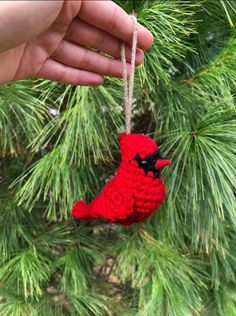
{"type": "Point", "coordinates": [59, 143]}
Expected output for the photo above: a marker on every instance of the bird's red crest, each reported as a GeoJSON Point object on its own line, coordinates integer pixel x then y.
{"type": "Point", "coordinates": [132, 144]}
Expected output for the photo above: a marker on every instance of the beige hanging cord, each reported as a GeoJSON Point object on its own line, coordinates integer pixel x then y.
{"type": "Point", "coordinates": [129, 84]}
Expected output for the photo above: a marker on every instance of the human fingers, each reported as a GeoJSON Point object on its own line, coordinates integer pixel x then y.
{"type": "Point", "coordinates": [54, 70]}
{"type": "Point", "coordinates": [81, 57]}
{"type": "Point", "coordinates": [109, 17]}
{"type": "Point", "coordinates": [85, 34]}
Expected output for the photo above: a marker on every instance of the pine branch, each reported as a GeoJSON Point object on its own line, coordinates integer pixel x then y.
{"type": "Point", "coordinates": [171, 23]}
{"type": "Point", "coordinates": [54, 181]}
{"type": "Point", "coordinates": [21, 117]}
{"type": "Point", "coordinates": [167, 281]}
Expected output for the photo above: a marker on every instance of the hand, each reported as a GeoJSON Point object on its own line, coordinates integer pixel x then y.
{"type": "Point", "coordinates": [56, 40]}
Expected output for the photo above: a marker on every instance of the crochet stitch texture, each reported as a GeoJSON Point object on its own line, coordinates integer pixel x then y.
{"type": "Point", "coordinates": [136, 190]}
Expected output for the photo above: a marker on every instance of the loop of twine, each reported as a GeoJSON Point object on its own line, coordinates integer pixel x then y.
{"type": "Point", "coordinates": [129, 84]}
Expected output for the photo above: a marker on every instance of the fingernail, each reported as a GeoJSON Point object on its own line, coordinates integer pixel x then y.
{"type": "Point", "coordinates": [139, 57]}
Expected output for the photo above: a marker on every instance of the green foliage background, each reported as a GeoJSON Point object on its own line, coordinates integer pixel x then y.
{"type": "Point", "coordinates": [180, 262]}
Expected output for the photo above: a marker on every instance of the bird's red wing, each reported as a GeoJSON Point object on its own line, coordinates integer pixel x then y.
{"type": "Point", "coordinates": [114, 203]}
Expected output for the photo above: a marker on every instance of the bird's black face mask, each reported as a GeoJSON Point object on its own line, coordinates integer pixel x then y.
{"type": "Point", "coordinates": [148, 163]}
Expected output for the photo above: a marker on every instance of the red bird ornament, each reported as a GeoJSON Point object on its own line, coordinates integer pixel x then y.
{"type": "Point", "coordinates": [136, 190]}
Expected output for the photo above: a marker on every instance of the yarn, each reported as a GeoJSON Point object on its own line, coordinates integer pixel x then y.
{"type": "Point", "coordinates": [129, 84]}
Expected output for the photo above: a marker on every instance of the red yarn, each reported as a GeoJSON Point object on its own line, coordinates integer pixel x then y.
{"type": "Point", "coordinates": [135, 192]}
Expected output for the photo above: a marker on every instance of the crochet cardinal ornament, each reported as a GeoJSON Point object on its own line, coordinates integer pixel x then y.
{"type": "Point", "coordinates": [135, 191]}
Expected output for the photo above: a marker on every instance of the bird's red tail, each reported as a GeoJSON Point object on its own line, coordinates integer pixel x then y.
{"type": "Point", "coordinates": [81, 210]}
